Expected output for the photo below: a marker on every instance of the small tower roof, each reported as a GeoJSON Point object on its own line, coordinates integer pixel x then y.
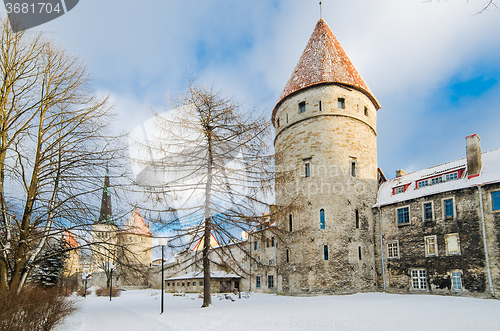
{"type": "Point", "coordinates": [136, 225]}
{"type": "Point", "coordinates": [69, 239]}
{"type": "Point", "coordinates": [324, 61]}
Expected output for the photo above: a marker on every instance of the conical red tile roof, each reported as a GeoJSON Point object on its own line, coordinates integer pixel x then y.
{"type": "Point", "coordinates": [69, 239]}
{"type": "Point", "coordinates": [136, 225]}
{"type": "Point", "coordinates": [324, 61]}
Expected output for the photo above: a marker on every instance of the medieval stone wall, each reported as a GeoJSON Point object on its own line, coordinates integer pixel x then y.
{"type": "Point", "coordinates": [336, 147]}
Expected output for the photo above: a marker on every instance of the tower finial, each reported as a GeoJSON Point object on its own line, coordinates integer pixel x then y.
{"type": "Point", "coordinates": [320, 13]}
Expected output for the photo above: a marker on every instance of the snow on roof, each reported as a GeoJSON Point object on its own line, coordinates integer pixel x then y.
{"type": "Point", "coordinates": [490, 173]}
{"type": "Point", "coordinates": [324, 61]}
{"type": "Point", "coordinates": [199, 275]}
{"type": "Point", "coordinates": [136, 225]}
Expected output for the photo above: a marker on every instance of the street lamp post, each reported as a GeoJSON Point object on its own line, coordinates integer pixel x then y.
{"type": "Point", "coordinates": [162, 242]}
{"type": "Point", "coordinates": [111, 281]}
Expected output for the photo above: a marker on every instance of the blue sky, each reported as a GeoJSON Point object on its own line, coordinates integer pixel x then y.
{"type": "Point", "coordinates": [434, 67]}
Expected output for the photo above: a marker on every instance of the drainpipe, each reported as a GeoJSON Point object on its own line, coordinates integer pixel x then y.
{"type": "Point", "coordinates": [484, 241]}
{"type": "Point", "coordinates": [381, 246]}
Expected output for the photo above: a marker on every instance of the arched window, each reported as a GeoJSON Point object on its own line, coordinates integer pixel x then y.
{"type": "Point", "coordinates": [322, 219]}
{"type": "Point", "coordinates": [290, 223]}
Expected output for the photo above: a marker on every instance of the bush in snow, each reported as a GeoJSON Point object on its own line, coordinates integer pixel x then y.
{"type": "Point", "coordinates": [34, 309]}
{"type": "Point", "coordinates": [104, 292]}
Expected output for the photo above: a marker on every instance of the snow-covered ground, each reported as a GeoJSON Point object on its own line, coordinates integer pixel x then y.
{"type": "Point", "coordinates": [140, 310]}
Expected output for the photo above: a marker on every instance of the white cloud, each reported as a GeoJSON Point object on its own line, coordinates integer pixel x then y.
{"type": "Point", "coordinates": [405, 51]}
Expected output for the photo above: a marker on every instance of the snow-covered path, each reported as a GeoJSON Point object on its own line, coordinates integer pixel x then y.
{"type": "Point", "coordinates": [139, 310]}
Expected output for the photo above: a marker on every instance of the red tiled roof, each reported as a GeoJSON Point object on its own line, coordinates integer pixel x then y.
{"type": "Point", "coordinates": [324, 61]}
{"type": "Point", "coordinates": [136, 225]}
{"type": "Point", "coordinates": [69, 239]}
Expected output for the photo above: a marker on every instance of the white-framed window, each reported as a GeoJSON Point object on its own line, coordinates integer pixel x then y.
{"type": "Point", "coordinates": [399, 189]}
{"type": "Point", "coordinates": [452, 241]}
{"type": "Point", "coordinates": [418, 279]}
{"type": "Point", "coordinates": [393, 249]}
{"type": "Point", "coordinates": [495, 200]}
{"type": "Point", "coordinates": [452, 176]}
{"type": "Point", "coordinates": [307, 169]}
{"type": "Point", "coordinates": [423, 183]}
{"type": "Point", "coordinates": [449, 207]}
{"type": "Point", "coordinates": [456, 281]}
{"type": "Point", "coordinates": [439, 179]}
{"type": "Point", "coordinates": [431, 246]}
{"type": "Point", "coordinates": [428, 211]}
{"type": "Point", "coordinates": [403, 215]}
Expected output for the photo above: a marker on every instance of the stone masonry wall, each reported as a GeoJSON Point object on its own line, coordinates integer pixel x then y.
{"type": "Point", "coordinates": [332, 141]}
{"type": "Point", "coordinates": [470, 261]}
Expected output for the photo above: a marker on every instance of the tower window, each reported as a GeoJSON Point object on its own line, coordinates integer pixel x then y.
{"type": "Point", "coordinates": [290, 222]}
{"type": "Point", "coordinates": [302, 107]}
{"type": "Point", "coordinates": [341, 103]}
{"type": "Point", "coordinates": [322, 219]}
{"type": "Point", "coordinates": [325, 252]}
{"type": "Point", "coordinates": [287, 256]}
{"type": "Point", "coordinates": [366, 111]}
{"type": "Point", "coordinates": [353, 169]}
{"type": "Point", "coordinates": [286, 115]}
{"type": "Point", "coordinates": [307, 170]}
{"type": "Point", "coordinates": [356, 212]}
{"type": "Point", "coordinates": [272, 241]}
{"type": "Point", "coordinates": [359, 252]}
{"type": "Point", "coordinates": [495, 197]}
{"type": "Point", "coordinates": [319, 106]}
{"type": "Point", "coordinates": [278, 122]}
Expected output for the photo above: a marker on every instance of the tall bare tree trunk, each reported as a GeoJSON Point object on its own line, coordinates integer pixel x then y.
{"type": "Point", "coordinates": [207, 295]}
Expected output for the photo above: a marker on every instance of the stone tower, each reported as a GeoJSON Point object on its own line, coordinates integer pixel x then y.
{"type": "Point", "coordinates": [326, 163]}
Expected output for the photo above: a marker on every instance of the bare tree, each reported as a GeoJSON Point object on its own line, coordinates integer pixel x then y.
{"type": "Point", "coordinates": [207, 167]}
{"type": "Point", "coordinates": [53, 148]}
{"type": "Point", "coordinates": [488, 4]}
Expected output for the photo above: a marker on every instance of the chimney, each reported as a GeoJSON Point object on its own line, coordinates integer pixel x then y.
{"type": "Point", "coordinates": [400, 173]}
{"type": "Point", "coordinates": [473, 155]}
